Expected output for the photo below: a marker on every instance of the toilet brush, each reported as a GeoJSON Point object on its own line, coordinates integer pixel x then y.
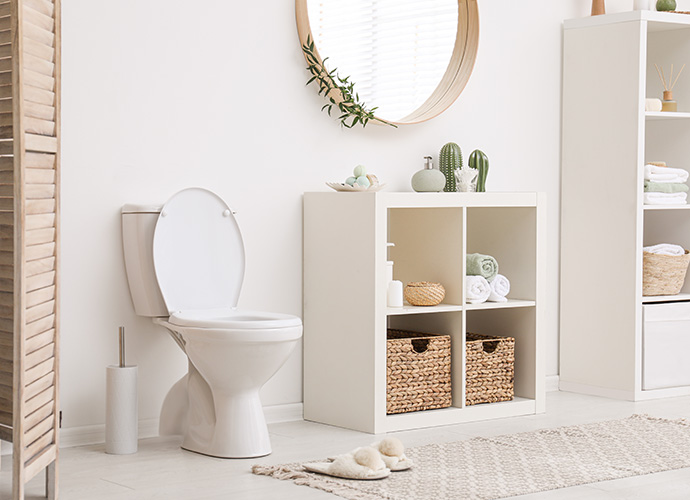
{"type": "Point", "coordinates": [121, 419]}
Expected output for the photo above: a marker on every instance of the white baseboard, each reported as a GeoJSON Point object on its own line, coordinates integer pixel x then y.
{"type": "Point", "coordinates": [95, 434]}
{"type": "Point", "coordinates": [596, 391]}
{"type": "Point", "coordinates": [283, 413]}
{"type": "Point", "coordinates": [552, 382]}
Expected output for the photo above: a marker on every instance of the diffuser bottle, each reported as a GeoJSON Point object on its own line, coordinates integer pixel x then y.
{"type": "Point", "coordinates": [429, 179]}
{"type": "Point", "coordinates": [668, 103]}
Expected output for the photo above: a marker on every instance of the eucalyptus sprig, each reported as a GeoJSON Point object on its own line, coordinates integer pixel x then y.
{"type": "Point", "coordinates": [332, 85]}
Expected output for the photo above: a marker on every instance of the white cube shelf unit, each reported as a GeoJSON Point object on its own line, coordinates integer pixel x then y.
{"type": "Point", "coordinates": [346, 316]}
{"type": "Point", "coordinates": [608, 71]}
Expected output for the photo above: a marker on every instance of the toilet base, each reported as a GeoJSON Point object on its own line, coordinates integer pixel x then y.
{"type": "Point", "coordinates": [224, 415]}
{"type": "Point", "coordinates": [239, 430]}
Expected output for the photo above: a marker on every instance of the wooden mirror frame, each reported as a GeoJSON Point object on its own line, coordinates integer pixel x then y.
{"type": "Point", "coordinates": [457, 73]}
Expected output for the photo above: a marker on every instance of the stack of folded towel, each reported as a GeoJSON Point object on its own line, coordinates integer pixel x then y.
{"type": "Point", "coordinates": [665, 185]}
{"type": "Point", "coordinates": [483, 282]}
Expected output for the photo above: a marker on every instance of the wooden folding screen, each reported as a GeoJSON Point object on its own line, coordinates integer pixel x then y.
{"type": "Point", "coordinates": [29, 215]}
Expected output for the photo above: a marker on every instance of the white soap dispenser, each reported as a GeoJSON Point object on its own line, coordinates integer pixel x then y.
{"type": "Point", "coordinates": [394, 288]}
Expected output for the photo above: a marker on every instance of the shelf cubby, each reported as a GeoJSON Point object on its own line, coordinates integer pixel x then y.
{"type": "Point", "coordinates": [346, 316]}
{"type": "Point", "coordinates": [519, 323]}
{"type": "Point", "coordinates": [427, 247]}
{"type": "Point", "coordinates": [667, 227]}
{"type": "Point", "coordinates": [489, 229]}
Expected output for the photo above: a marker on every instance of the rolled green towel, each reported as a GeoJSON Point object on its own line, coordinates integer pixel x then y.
{"type": "Point", "coordinates": [481, 265]}
{"type": "Point", "coordinates": [665, 187]}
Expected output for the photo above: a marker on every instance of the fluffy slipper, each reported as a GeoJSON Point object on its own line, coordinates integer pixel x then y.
{"type": "Point", "coordinates": [393, 454]}
{"type": "Point", "coordinates": [362, 463]}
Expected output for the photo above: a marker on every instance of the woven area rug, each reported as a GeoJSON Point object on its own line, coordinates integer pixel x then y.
{"type": "Point", "coordinates": [511, 465]}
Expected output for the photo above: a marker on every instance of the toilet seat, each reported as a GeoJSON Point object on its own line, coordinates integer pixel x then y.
{"type": "Point", "coordinates": [198, 253]}
{"type": "Point", "coordinates": [232, 319]}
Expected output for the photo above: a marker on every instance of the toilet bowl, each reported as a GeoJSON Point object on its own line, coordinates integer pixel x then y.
{"type": "Point", "coordinates": [185, 266]}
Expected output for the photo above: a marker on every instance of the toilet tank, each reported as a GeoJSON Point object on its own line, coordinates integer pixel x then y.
{"type": "Point", "coordinates": [138, 224]}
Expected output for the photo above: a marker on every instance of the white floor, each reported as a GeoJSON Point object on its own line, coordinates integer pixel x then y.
{"type": "Point", "coordinates": [161, 470]}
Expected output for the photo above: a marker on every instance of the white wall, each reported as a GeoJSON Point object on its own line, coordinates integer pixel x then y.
{"type": "Point", "coordinates": [161, 95]}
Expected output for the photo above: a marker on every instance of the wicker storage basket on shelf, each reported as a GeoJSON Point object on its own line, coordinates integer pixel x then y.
{"type": "Point", "coordinates": [423, 293]}
{"type": "Point", "coordinates": [490, 369]}
{"type": "Point", "coordinates": [418, 375]}
{"type": "Point", "coordinates": [663, 274]}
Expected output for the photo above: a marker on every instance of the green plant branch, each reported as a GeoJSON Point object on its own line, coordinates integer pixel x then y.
{"type": "Point", "coordinates": [339, 91]}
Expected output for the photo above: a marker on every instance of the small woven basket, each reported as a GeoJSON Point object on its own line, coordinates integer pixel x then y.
{"type": "Point", "coordinates": [490, 369]}
{"type": "Point", "coordinates": [423, 293]}
{"type": "Point", "coordinates": [663, 274]}
{"type": "Point", "coordinates": [418, 371]}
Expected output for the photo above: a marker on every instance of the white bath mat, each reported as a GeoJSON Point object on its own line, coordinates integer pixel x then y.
{"type": "Point", "coordinates": [505, 466]}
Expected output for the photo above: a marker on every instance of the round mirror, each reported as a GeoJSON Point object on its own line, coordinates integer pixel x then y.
{"type": "Point", "coordinates": [409, 59]}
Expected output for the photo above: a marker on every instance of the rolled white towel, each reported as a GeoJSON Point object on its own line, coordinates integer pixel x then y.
{"type": "Point", "coordinates": [665, 249]}
{"type": "Point", "coordinates": [477, 289]}
{"type": "Point", "coordinates": [652, 198]}
{"type": "Point", "coordinates": [500, 287]}
{"type": "Point", "coordinates": [656, 173]}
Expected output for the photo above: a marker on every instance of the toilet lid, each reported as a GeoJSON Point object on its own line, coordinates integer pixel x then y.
{"type": "Point", "coordinates": [198, 254]}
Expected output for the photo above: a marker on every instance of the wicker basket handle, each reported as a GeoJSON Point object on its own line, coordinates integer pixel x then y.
{"type": "Point", "coordinates": [490, 347]}
{"type": "Point", "coordinates": [420, 345]}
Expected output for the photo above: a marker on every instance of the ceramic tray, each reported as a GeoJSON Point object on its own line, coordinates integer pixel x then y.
{"type": "Point", "coordinates": [344, 188]}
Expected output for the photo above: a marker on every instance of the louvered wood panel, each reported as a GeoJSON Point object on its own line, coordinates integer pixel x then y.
{"type": "Point", "coordinates": [43, 412]}
{"type": "Point", "coordinates": [38, 430]}
{"type": "Point", "coordinates": [39, 221]}
{"type": "Point", "coordinates": [39, 386]}
{"type": "Point", "coordinates": [39, 296]}
{"type": "Point", "coordinates": [29, 229]}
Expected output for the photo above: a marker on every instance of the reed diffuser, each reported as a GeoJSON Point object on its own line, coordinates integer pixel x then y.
{"type": "Point", "coordinates": [668, 104]}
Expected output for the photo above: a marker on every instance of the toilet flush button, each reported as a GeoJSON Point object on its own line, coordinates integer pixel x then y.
{"type": "Point", "coordinates": [226, 213]}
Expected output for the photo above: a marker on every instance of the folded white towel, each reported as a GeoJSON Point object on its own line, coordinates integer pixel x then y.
{"type": "Point", "coordinates": [500, 287]}
{"type": "Point", "coordinates": [665, 249]}
{"type": "Point", "coordinates": [664, 174]}
{"type": "Point", "coordinates": [652, 198]}
{"type": "Point", "coordinates": [477, 289]}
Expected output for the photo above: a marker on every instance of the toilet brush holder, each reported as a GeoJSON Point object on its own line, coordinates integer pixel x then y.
{"type": "Point", "coordinates": [121, 407]}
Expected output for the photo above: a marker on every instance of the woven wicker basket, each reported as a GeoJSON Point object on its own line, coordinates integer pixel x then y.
{"type": "Point", "coordinates": [490, 369]}
{"type": "Point", "coordinates": [663, 274]}
{"type": "Point", "coordinates": [423, 293]}
{"type": "Point", "coordinates": [418, 371]}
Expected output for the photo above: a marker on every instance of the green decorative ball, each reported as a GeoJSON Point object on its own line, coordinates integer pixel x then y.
{"type": "Point", "coordinates": [666, 5]}
{"type": "Point", "coordinates": [363, 181]}
{"type": "Point", "coordinates": [351, 181]}
{"type": "Point", "coordinates": [360, 170]}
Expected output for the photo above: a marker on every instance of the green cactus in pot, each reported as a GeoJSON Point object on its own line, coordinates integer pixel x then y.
{"type": "Point", "coordinates": [450, 160]}
{"type": "Point", "coordinates": [478, 160]}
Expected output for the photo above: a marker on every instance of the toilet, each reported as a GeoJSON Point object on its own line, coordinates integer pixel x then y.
{"type": "Point", "coordinates": [185, 266]}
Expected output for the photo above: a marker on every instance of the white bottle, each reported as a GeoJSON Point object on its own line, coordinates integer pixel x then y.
{"type": "Point", "coordinates": [395, 294]}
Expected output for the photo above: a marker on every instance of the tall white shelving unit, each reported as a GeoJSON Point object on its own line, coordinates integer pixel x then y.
{"type": "Point", "coordinates": [608, 70]}
{"type": "Point", "coordinates": [345, 311]}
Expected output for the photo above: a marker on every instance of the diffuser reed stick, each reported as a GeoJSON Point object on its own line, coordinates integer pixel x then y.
{"type": "Point", "coordinates": [668, 85]}
{"type": "Point", "coordinates": [676, 80]}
